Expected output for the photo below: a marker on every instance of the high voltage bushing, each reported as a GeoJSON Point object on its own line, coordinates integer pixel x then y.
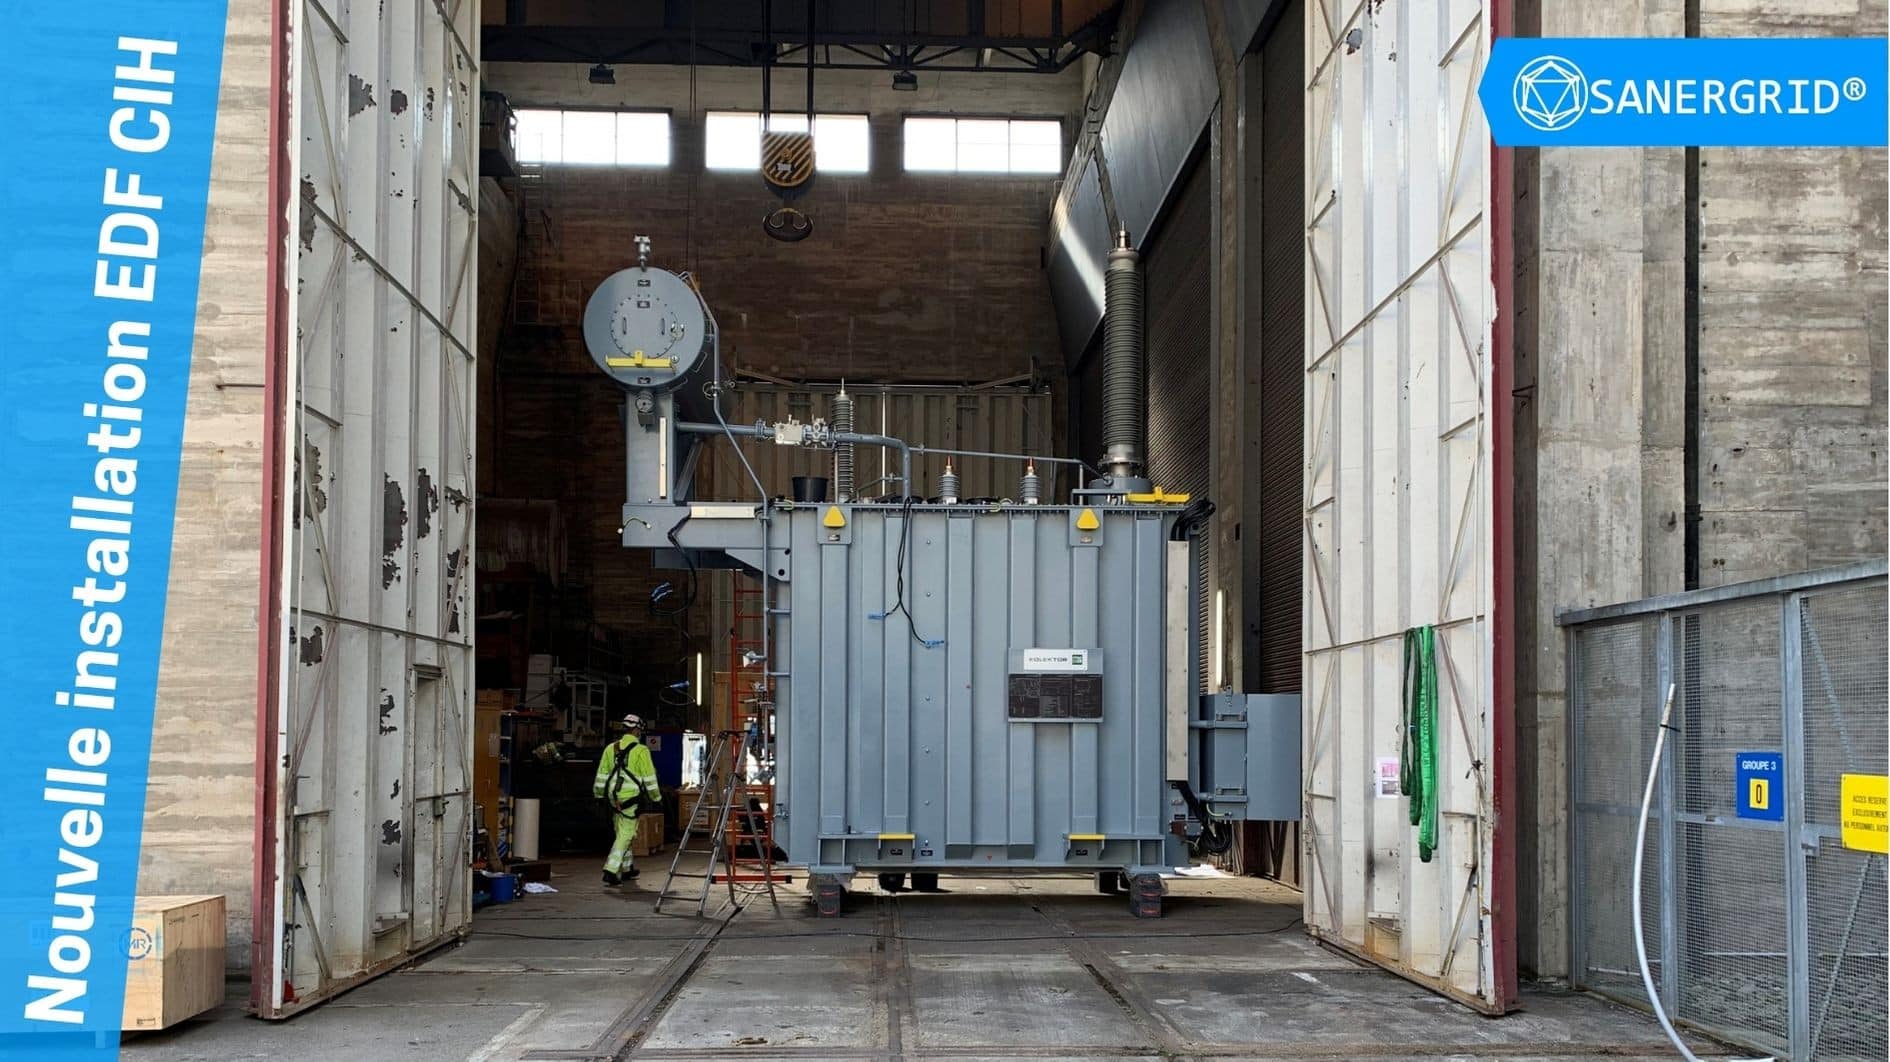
{"type": "Point", "coordinates": [843, 452]}
{"type": "Point", "coordinates": [1124, 386]}
{"type": "Point", "coordinates": [1031, 489]}
{"type": "Point", "coordinates": [948, 485]}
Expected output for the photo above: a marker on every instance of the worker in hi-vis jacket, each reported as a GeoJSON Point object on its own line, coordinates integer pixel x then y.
{"type": "Point", "coordinates": [626, 780]}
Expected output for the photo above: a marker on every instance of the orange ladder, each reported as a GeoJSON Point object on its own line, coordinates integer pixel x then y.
{"type": "Point", "coordinates": [751, 712]}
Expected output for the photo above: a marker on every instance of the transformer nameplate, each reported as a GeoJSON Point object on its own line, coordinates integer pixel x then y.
{"type": "Point", "coordinates": [1055, 698]}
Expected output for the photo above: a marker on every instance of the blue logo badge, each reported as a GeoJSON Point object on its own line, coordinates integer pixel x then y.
{"type": "Point", "coordinates": [1717, 92]}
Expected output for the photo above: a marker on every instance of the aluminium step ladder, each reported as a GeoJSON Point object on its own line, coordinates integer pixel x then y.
{"type": "Point", "coordinates": [722, 797]}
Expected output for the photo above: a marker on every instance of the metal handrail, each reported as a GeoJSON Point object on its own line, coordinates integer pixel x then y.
{"type": "Point", "coordinates": [1779, 584]}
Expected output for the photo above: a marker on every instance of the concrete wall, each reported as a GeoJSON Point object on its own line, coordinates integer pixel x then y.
{"type": "Point", "coordinates": [912, 278]}
{"type": "Point", "coordinates": [1791, 334]}
{"type": "Point", "coordinates": [1788, 406]}
{"type": "Point", "coordinates": [1599, 414]}
{"type": "Point", "coordinates": [199, 810]}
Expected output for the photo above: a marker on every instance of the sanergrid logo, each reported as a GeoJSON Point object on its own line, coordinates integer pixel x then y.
{"type": "Point", "coordinates": [1735, 92]}
{"type": "Point", "coordinates": [1551, 93]}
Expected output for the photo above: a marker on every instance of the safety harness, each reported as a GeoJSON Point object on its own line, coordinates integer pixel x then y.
{"type": "Point", "coordinates": [618, 770]}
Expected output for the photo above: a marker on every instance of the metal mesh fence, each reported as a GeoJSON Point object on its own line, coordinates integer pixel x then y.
{"type": "Point", "coordinates": [1843, 694]}
{"type": "Point", "coordinates": [1764, 920]}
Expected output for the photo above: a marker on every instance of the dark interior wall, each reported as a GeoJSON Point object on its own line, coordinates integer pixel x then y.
{"type": "Point", "coordinates": [907, 278]}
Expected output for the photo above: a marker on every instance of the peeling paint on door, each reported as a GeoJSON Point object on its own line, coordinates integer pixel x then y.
{"type": "Point", "coordinates": [310, 651]}
{"type": "Point", "coordinates": [393, 529]}
{"type": "Point", "coordinates": [429, 502]}
{"type": "Point", "coordinates": [360, 95]}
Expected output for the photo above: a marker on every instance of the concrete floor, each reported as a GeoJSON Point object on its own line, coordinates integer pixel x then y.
{"type": "Point", "coordinates": [991, 969]}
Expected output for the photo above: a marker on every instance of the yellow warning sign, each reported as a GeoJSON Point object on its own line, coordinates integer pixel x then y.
{"type": "Point", "coordinates": [1864, 812]}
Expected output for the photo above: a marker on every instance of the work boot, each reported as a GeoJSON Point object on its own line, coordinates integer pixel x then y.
{"type": "Point", "coordinates": [631, 874]}
{"type": "Point", "coordinates": [612, 879]}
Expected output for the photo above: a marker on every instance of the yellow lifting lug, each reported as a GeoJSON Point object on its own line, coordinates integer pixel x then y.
{"type": "Point", "coordinates": [638, 361]}
{"type": "Point", "coordinates": [1158, 496]}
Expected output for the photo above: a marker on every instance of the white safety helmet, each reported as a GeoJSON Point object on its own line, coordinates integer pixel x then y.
{"type": "Point", "coordinates": [633, 721]}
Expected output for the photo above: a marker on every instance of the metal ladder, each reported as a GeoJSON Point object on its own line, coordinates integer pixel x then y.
{"type": "Point", "coordinates": [751, 710]}
{"type": "Point", "coordinates": [722, 788]}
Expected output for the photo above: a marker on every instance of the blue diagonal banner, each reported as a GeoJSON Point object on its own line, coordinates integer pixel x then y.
{"type": "Point", "coordinates": [1687, 92]}
{"type": "Point", "coordinates": [107, 130]}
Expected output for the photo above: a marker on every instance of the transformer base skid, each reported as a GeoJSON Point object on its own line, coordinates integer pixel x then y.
{"type": "Point", "coordinates": [1143, 886]}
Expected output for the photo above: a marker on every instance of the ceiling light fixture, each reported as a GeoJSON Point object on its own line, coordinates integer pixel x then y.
{"type": "Point", "coordinates": [603, 75]}
{"type": "Point", "coordinates": [905, 81]}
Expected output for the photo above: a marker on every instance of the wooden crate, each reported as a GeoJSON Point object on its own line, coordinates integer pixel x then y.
{"type": "Point", "coordinates": [489, 707]}
{"type": "Point", "coordinates": [649, 835]}
{"type": "Point", "coordinates": [176, 960]}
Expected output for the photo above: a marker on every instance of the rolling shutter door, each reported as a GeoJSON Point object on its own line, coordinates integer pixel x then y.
{"type": "Point", "coordinates": [1281, 352]}
{"type": "Point", "coordinates": [1177, 266]}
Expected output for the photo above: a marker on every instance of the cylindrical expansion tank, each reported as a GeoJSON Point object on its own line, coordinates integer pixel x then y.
{"type": "Point", "coordinates": [647, 329]}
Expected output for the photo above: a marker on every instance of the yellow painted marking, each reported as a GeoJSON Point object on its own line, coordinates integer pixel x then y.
{"type": "Point", "coordinates": [638, 361]}
{"type": "Point", "coordinates": [1864, 812]}
{"type": "Point", "coordinates": [896, 836]}
{"type": "Point", "coordinates": [1086, 837]}
{"type": "Point", "coordinates": [1159, 496]}
{"type": "Point", "coordinates": [834, 517]}
{"type": "Point", "coordinates": [1086, 520]}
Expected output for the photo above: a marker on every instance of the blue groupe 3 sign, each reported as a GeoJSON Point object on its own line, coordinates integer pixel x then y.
{"type": "Point", "coordinates": [109, 124]}
{"type": "Point", "coordinates": [1759, 786]}
{"type": "Point", "coordinates": [1687, 92]}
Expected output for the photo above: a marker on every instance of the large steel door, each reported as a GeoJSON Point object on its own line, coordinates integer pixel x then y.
{"type": "Point", "coordinates": [1398, 505]}
{"type": "Point", "coordinates": [365, 858]}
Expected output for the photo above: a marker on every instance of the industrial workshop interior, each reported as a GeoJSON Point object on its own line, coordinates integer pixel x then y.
{"type": "Point", "coordinates": [1015, 529]}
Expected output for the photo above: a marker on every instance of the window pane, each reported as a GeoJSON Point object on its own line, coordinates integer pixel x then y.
{"type": "Point", "coordinates": [931, 144]}
{"type": "Point", "coordinates": [983, 146]}
{"type": "Point", "coordinates": [841, 143]}
{"type": "Point", "coordinates": [642, 139]}
{"type": "Point", "coordinates": [540, 136]}
{"type": "Point", "coordinates": [590, 137]}
{"type": "Point", "coordinates": [732, 141]}
{"type": "Point", "coordinates": [786, 123]}
{"type": "Point", "coordinates": [1036, 147]}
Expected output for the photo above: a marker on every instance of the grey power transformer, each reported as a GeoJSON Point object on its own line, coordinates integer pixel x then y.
{"type": "Point", "coordinates": [1003, 686]}
{"type": "Point", "coordinates": [1014, 719]}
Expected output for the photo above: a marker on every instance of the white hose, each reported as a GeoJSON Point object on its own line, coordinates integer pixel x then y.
{"type": "Point", "coordinates": [1640, 847]}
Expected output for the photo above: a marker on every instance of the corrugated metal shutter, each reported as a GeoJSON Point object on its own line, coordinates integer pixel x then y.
{"type": "Point", "coordinates": [1282, 364]}
{"type": "Point", "coordinates": [1177, 268]}
{"type": "Point", "coordinates": [1086, 403]}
